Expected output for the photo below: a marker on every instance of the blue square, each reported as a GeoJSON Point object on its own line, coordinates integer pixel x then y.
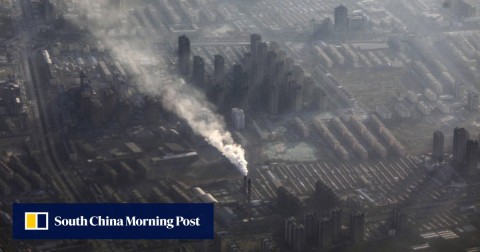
{"type": "Point", "coordinates": [41, 221]}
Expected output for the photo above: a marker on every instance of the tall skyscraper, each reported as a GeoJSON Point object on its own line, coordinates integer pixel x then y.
{"type": "Point", "coordinates": [472, 101]}
{"type": "Point", "coordinates": [294, 96]}
{"type": "Point", "coordinates": [336, 215]}
{"type": "Point", "coordinates": [396, 220]}
{"type": "Point", "coordinates": [325, 233]}
{"type": "Point", "coordinates": [459, 90]}
{"type": "Point", "coordinates": [471, 157]}
{"type": "Point", "coordinates": [341, 18]}
{"type": "Point", "coordinates": [311, 228]}
{"type": "Point", "coordinates": [270, 63]}
{"type": "Point", "coordinates": [198, 71]}
{"type": "Point", "coordinates": [460, 136]}
{"type": "Point", "coordinates": [184, 55]}
{"type": "Point", "coordinates": [320, 99]}
{"type": "Point", "coordinates": [262, 52]}
{"type": "Point", "coordinates": [438, 145]}
{"type": "Point", "coordinates": [357, 227]}
{"type": "Point", "coordinates": [255, 40]}
{"type": "Point", "coordinates": [272, 95]}
{"type": "Point", "coordinates": [308, 87]}
{"type": "Point", "coordinates": [295, 235]}
{"type": "Point", "coordinates": [240, 86]}
{"type": "Point", "coordinates": [219, 67]}
{"type": "Point", "coordinates": [358, 21]}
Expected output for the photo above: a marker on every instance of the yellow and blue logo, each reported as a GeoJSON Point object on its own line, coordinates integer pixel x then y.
{"type": "Point", "coordinates": [36, 221]}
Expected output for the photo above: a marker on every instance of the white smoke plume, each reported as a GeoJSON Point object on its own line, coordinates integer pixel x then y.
{"type": "Point", "coordinates": [176, 96]}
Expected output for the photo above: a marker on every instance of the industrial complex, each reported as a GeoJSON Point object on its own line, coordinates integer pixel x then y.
{"type": "Point", "coordinates": [310, 125]}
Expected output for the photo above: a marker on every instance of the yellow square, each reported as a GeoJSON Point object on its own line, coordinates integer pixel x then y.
{"type": "Point", "coordinates": [31, 220]}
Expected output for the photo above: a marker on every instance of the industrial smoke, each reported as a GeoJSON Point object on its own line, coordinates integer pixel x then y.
{"type": "Point", "coordinates": [175, 94]}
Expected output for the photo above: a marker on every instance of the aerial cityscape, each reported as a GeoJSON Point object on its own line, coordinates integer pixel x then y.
{"type": "Point", "coordinates": [310, 125]}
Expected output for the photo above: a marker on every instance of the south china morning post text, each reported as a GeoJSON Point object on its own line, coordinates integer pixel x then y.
{"type": "Point", "coordinates": [106, 221]}
{"type": "Point", "coordinates": [113, 221]}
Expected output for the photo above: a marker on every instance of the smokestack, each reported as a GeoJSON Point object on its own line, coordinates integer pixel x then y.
{"type": "Point", "coordinates": [249, 186]}
{"type": "Point", "coordinates": [245, 178]}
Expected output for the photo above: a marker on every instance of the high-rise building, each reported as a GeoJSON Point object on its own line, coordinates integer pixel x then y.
{"type": "Point", "coordinates": [459, 90]}
{"type": "Point", "coordinates": [238, 77]}
{"type": "Point", "coordinates": [238, 118]}
{"type": "Point", "coordinates": [319, 99]}
{"type": "Point", "coordinates": [198, 71]}
{"type": "Point", "coordinates": [358, 21]}
{"type": "Point", "coordinates": [184, 55]}
{"type": "Point", "coordinates": [325, 233]}
{"type": "Point", "coordinates": [471, 157]}
{"type": "Point", "coordinates": [295, 235]}
{"type": "Point", "coordinates": [279, 71]}
{"type": "Point", "coordinates": [311, 228]}
{"type": "Point", "coordinates": [217, 95]}
{"type": "Point", "coordinates": [262, 52]}
{"type": "Point", "coordinates": [336, 215]}
{"type": "Point", "coordinates": [299, 238]}
{"type": "Point", "coordinates": [247, 62]}
{"type": "Point", "coordinates": [466, 8]}
{"type": "Point", "coordinates": [256, 73]}
{"type": "Point", "coordinates": [270, 63]}
{"type": "Point", "coordinates": [460, 136]}
{"type": "Point", "coordinates": [255, 40]}
{"type": "Point", "coordinates": [438, 145]}
{"type": "Point", "coordinates": [396, 218]}
{"type": "Point", "coordinates": [341, 18]}
{"type": "Point", "coordinates": [272, 95]}
{"type": "Point", "coordinates": [240, 85]}
{"type": "Point", "coordinates": [222, 239]}
{"type": "Point", "coordinates": [298, 73]}
{"type": "Point", "coordinates": [267, 245]}
{"type": "Point", "coordinates": [308, 87]}
{"type": "Point", "coordinates": [472, 101]}
{"type": "Point", "coordinates": [326, 27]}
{"type": "Point", "coordinates": [219, 67]}
{"type": "Point", "coordinates": [294, 96]}
{"type": "Point", "coordinates": [357, 227]}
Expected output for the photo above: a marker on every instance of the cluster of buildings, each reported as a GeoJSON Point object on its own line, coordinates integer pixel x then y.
{"type": "Point", "coordinates": [465, 151]}
{"type": "Point", "coordinates": [463, 9]}
{"type": "Point", "coordinates": [96, 90]}
{"type": "Point", "coordinates": [344, 22]}
{"type": "Point", "coordinates": [10, 98]}
{"type": "Point", "coordinates": [18, 177]}
{"type": "Point", "coordinates": [265, 78]}
{"type": "Point", "coordinates": [366, 138]}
